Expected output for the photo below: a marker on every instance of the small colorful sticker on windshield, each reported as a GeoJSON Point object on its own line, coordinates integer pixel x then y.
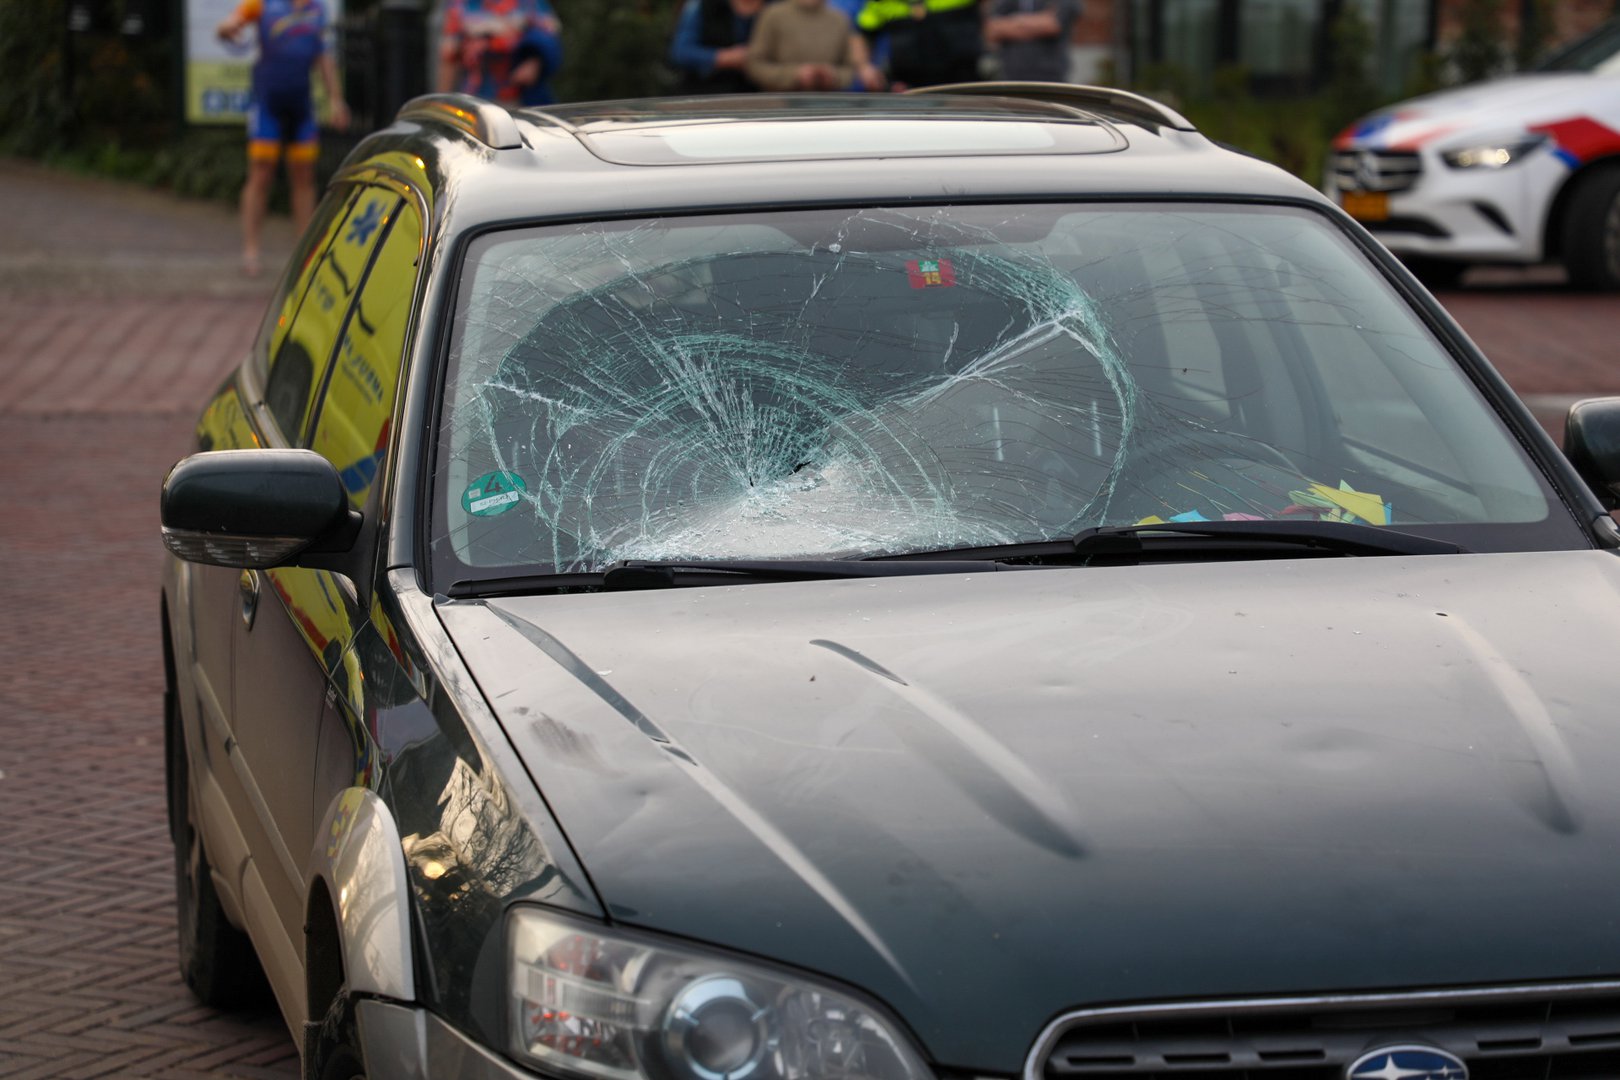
{"type": "Point", "coordinates": [493, 493]}
{"type": "Point", "coordinates": [1319, 501]}
{"type": "Point", "coordinates": [1343, 503]}
{"type": "Point", "coordinates": [930, 273]}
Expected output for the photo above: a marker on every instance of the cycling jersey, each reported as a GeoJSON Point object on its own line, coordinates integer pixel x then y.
{"type": "Point", "coordinates": [292, 37]}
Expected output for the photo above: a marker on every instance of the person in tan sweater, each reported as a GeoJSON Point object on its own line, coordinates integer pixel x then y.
{"type": "Point", "coordinates": [806, 45]}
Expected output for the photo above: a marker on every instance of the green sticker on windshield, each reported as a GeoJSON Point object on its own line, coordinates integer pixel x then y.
{"type": "Point", "coordinates": [493, 493]}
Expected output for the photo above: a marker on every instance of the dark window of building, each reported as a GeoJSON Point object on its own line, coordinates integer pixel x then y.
{"type": "Point", "coordinates": [1285, 46]}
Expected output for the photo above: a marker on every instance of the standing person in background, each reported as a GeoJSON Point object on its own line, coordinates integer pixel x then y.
{"type": "Point", "coordinates": [1031, 38]}
{"type": "Point", "coordinates": [930, 41]}
{"type": "Point", "coordinates": [710, 47]}
{"type": "Point", "coordinates": [806, 45]}
{"type": "Point", "coordinates": [281, 110]}
{"type": "Point", "coordinates": [505, 51]}
{"type": "Point", "coordinates": [877, 48]}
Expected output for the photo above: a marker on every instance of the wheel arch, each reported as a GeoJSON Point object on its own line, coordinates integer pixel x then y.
{"type": "Point", "coordinates": [357, 934]}
{"type": "Point", "coordinates": [1553, 228]}
{"type": "Point", "coordinates": [323, 952]}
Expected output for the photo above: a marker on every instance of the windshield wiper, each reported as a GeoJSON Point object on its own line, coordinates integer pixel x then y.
{"type": "Point", "coordinates": [1329, 537]}
{"type": "Point", "coordinates": [1110, 543]}
{"type": "Point", "coordinates": [1204, 539]}
{"type": "Point", "coordinates": [669, 573]}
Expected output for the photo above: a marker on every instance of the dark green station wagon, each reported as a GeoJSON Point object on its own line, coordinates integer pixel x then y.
{"type": "Point", "coordinates": [975, 584]}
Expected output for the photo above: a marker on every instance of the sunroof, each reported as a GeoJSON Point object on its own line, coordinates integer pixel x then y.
{"type": "Point", "coordinates": [682, 137]}
{"type": "Point", "coordinates": [802, 106]}
{"type": "Point", "coordinates": [811, 139]}
{"type": "Point", "coordinates": [802, 127]}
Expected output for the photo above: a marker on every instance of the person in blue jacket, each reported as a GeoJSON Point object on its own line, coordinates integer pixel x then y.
{"type": "Point", "coordinates": [878, 43]}
{"type": "Point", "coordinates": [710, 46]}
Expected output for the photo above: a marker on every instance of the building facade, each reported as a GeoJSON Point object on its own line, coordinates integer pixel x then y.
{"type": "Point", "coordinates": [1288, 46]}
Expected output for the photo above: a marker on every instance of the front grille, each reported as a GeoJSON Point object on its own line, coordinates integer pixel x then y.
{"type": "Point", "coordinates": [1376, 170]}
{"type": "Point", "coordinates": [1567, 1033]}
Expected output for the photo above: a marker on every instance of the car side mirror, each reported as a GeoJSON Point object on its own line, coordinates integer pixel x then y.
{"type": "Point", "coordinates": [1592, 444]}
{"type": "Point", "coordinates": [254, 509]}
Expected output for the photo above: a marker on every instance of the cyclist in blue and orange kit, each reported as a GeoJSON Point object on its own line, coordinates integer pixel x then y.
{"type": "Point", "coordinates": [281, 112]}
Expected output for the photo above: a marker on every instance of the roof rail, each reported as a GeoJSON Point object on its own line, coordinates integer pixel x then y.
{"type": "Point", "coordinates": [483, 120]}
{"type": "Point", "coordinates": [1103, 100]}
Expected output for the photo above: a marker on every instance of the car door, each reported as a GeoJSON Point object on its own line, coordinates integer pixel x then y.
{"type": "Point", "coordinates": [351, 428]}
{"type": "Point", "coordinates": [297, 623]}
{"type": "Point", "coordinates": [233, 420]}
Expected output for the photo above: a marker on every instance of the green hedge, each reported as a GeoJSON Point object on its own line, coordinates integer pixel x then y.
{"type": "Point", "coordinates": [615, 49]}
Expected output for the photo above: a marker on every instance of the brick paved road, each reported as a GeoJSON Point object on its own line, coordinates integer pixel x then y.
{"type": "Point", "coordinates": [119, 310]}
{"type": "Point", "coordinates": [88, 984]}
{"type": "Point", "coordinates": [1553, 346]}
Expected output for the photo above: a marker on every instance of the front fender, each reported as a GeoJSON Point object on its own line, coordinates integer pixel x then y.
{"type": "Point", "coordinates": [358, 857]}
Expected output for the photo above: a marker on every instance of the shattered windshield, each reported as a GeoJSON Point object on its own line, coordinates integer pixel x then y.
{"type": "Point", "coordinates": [849, 383]}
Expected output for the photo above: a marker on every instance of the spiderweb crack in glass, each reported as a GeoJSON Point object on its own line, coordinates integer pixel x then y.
{"type": "Point", "coordinates": [837, 383]}
{"type": "Point", "coordinates": [641, 436]}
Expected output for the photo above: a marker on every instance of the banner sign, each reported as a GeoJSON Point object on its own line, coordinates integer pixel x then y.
{"type": "Point", "coordinates": [219, 75]}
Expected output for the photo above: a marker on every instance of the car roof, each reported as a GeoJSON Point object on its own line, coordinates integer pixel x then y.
{"type": "Point", "coordinates": [982, 142]}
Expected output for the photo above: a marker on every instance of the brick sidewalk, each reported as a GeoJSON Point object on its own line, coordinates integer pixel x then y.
{"type": "Point", "coordinates": [88, 979]}
{"type": "Point", "coordinates": [123, 355]}
{"type": "Point", "coordinates": [82, 235]}
{"type": "Point", "coordinates": [1549, 343]}
{"type": "Point", "coordinates": [119, 310]}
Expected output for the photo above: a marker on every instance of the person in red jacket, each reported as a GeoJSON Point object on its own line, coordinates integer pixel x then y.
{"type": "Point", "coordinates": [502, 50]}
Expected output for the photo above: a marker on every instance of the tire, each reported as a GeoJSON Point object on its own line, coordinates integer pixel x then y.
{"type": "Point", "coordinates": [217, 960]}
{"type": "Point", "coordinates": [1592, 232]}
{"type": "Point", "coordinates": [337, 1047]}
{"type": "Point", "coordinates": [1435, 273]}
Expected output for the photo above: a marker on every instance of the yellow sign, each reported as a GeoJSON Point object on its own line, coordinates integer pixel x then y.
{"type": "Point", "coordinates": [219, 75]}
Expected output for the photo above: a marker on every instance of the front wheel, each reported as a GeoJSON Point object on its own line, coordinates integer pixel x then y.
{"type": "Point", "coordinates": [1592, 232]}
{"type": "Point", "coordinates": [338, 1055]}
{"type": "Point", "coordinates": [216, 959]}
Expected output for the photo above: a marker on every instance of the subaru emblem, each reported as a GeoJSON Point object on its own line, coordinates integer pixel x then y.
{"type": "Point", "coordinates": [1407, 1063]}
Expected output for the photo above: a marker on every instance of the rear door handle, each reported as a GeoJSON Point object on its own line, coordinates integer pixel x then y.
{"type": "Point", "coordinates": [248, 586]}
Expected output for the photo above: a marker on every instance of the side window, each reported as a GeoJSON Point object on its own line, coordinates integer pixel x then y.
{"type": "Point", "coordinates": [329, 215]}
{"type": "Point", "coordinates": [299, 359]}
{"type": "Point", "coordinates": [351, 427]}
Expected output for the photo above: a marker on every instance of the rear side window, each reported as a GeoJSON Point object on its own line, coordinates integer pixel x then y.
{"type": "Point", "coordinates": [299, 358]}
{"type": "Point", "coordinates": [352, 425]}
{"type": "Point", "coordinates": [295, 281]}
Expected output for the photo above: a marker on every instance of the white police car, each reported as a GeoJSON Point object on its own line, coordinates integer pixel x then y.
{"type": "Point", "coordinates": [1520, 169]}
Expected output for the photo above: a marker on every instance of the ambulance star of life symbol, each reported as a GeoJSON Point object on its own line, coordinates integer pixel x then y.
{"type": "Point", "coordinates": [1367, 172]}
{"type": "Point", "coordinates": [1407, 1063]}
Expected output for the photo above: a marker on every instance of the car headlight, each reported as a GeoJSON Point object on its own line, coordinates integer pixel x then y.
{"type": "Point", "coordinates": [1495, 155]}
{"type": "Point", "coordinates": [609, 1005]}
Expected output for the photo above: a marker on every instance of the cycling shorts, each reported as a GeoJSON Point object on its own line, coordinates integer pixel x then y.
{"type": "Point", "coordinates": [271, 128]}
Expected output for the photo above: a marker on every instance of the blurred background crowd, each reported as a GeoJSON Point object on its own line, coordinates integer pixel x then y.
{"type": "Point", "coordinates": [109, 86]}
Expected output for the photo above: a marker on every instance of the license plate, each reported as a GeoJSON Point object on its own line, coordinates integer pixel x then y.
{"type": "Point", "coordinates": [1365, 205]}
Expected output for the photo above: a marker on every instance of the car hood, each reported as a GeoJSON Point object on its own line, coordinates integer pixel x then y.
{"type": "Point", "coordinates": [990, 798]}
{"type": "Point", "coordinates": [1500, 107]}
